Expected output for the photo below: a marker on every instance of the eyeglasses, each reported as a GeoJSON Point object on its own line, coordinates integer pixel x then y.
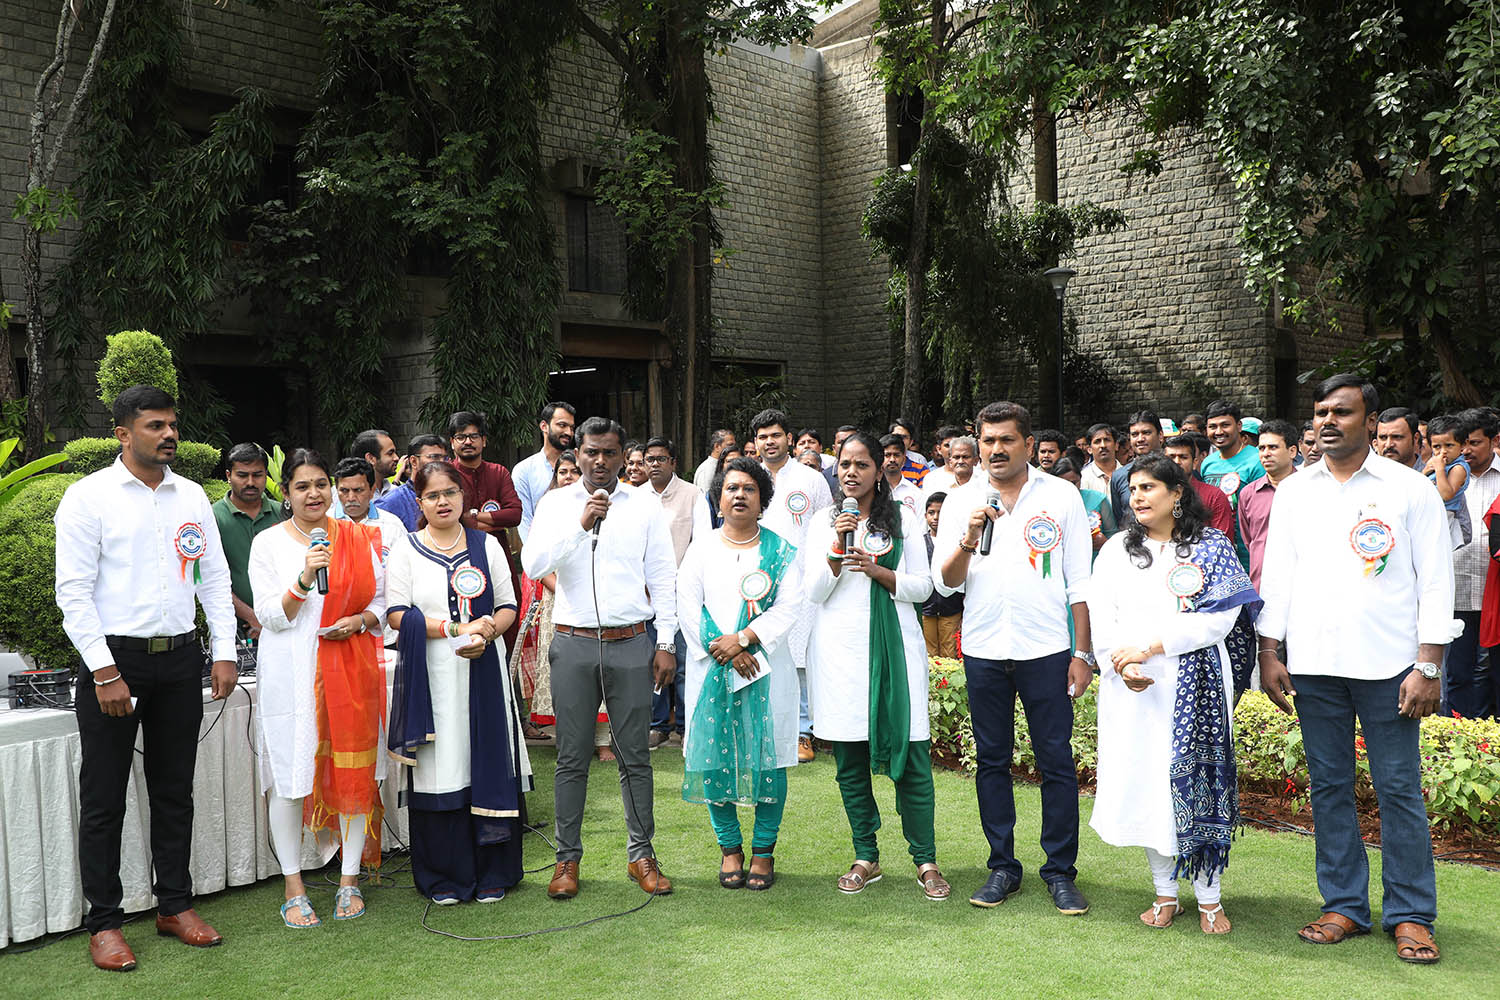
{"type": "Point", "coordinates": [658, 459]}
{"type": "Point", "coordinates": [467, 437]}
{"type": "Point", "coordinates": [452, 494]}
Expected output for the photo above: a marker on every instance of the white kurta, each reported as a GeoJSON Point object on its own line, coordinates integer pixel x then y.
{"type": "Point", "coordinates": [1131, 606]}
{"type": "Point", "coordinates": [417, 577]}
{"type": "Point", "coordinates": [287, 663]}
{"type": "Point", "coordinates": [710, 577]}
{"type": "Point", "coordinates": [838, 658]}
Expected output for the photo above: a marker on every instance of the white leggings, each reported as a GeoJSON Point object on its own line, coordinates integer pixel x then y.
{"type": "Point", "coordinates": [286, 836]}
{"type": "Point", "coordinates": [1166, 885]}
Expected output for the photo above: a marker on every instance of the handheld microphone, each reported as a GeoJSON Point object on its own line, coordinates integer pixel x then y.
{"type": "Point", "coordinates": [992, 501]}
{"type": "Point", "coordinates": [851, 506]}
{"type": "Point", "coordinates": [599, 494]}
{"type": "Point", "coordinates": [320, 537]}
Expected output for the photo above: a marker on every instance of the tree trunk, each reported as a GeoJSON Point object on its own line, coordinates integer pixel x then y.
{"type": "Point", "coordinates": [1457, 385]}
{"type": "Point", "coordinates": [36, 345]}
{"type": "Point", "coordinates": [7, 366]}
{"type": "Point", "coordinates": [1411, 358]}
{"type": "Point", "coordinates": [1044, 166]}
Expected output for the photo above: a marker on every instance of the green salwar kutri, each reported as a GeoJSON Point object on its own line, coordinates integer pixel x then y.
{"type": "Point", "coordinates": [914, 800]}
{"type": "Point", "coordinates": [725, 818]}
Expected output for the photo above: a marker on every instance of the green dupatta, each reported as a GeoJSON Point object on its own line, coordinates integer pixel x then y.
{"type": "Point", "coordinates": [730, 754]}
{"type": "Point", "coordinates": [890, 696]}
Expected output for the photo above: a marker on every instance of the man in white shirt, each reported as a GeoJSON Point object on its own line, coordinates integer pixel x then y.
{"type": "Point", "coordinates": [893, 460]}
{"type": "Point", "coordinates": [354, 483]}
{"type": "Point", "coordinates": [136, 544]}
{"type": "Point", "coordinates": [679, 499]}
{"type": "Point", "coordinates": [1019, 591]}
{"type": "Point", "coordinates": [1095, 475]}
{"type": "Point", "coordinates": [533, 475]}
{"type": "Point", "coordinates": [616, 577]}
{"type": "Point", "coordinates": [800, 493]}
{"type": "Point", "coordinates": [1470, 680]}
{"type": "Point", "coordinates": [957, 470]}
{"type": "Point", "coordinates": [717, 442]}
{"type": "Point", "coordinates": [1358, 580]}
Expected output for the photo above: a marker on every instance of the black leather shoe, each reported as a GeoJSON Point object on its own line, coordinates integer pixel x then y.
{"type": "Point", "coordinates": [1067, 897]}
{"type": "Point", "coordinates": [996, 889]}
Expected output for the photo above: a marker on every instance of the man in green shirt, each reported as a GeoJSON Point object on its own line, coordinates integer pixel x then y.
{"type": "Point", "coordinates": [1234, 465]}
{"type": "Point", "coordinates": [243, 513]}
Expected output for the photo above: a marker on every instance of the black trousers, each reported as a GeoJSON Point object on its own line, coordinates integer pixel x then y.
{"type": "Point", "coordinates": [169, 711]}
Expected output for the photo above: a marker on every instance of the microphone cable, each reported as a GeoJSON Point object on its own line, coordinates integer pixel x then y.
{"type": "Point", "coordinates": [625, 785]}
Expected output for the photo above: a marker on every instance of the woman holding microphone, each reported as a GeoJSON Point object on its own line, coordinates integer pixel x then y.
{"type": "Point", "coordinates": [867, 665]}
{"type": "Point", "coordinates": [454, 720]}
{"type": "Point", "coordinates": [319, 592]}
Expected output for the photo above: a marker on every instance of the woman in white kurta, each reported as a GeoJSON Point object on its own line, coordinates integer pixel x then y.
{"type": "Point", "coordinates": [744, 579]}
{"type": "Point", "coordinates": [867, 631]}
{"type": "Point", "coordinates": [283, 569]}
{"type": "Point", "coordinates": [454, 720]}
{"type": "Point", "coordinates": [1150, 624]}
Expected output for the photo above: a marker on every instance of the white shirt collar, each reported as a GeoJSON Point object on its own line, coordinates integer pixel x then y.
{"type": "Point", "coordinates": [124, 475]}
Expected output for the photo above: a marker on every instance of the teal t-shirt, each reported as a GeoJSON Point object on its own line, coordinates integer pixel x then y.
{"type": "Point", "coordinates": [1231, 476]}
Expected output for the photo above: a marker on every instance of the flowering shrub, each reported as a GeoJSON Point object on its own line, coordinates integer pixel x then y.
{"type": "Point", "coordinates": [1460, 757]}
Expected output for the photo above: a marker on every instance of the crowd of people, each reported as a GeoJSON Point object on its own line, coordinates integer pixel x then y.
{"type": "Point", "coordinates": [776, 602]}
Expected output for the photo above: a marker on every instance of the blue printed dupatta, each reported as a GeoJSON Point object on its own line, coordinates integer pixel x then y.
{"type": "Point", "coordinates": [1204, 781]}
{"type": "Point", "coordinates": [730, 754]}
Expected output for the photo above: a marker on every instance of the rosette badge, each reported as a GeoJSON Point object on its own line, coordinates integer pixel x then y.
{"type": "Point", "coordinates": [1185, 581]}
{"type": "Point", "coordinates": [490, 507]}
{"type": "Point", "coordinates": [755, 587]}
{"type": "Point", "coordinates": [1043, 534]}
{"type": "Point", "coordinates": [191, 543]}
{"type": "Point", "coordinates": [468, 582]}
{"type": "Point", "coordinates": [797, 504]}
{"type": "Point", "coordinates": [1372, 540]}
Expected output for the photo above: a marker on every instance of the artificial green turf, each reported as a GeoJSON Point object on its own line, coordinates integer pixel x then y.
{"type": "Point", "coordinates": [802, 938]}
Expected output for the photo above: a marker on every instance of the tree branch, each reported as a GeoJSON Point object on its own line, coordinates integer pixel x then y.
{"type": "Point", "coordinates": [635, 75]}
{"type": "Point", "coordinates": [958, 33]}
{"type": "Point", "coordinates": [81, 93]}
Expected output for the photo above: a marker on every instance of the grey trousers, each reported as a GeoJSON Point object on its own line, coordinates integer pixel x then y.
{"type": "Point", "coordinates": [575, 703]}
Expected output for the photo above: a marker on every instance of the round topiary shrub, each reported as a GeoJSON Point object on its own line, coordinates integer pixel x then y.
{"type": "Point", "coordinates": [30, 621]}
{"type": "Point", "coordinates": [195, 460]}
{"type": "Point", "coordinates": [216, 489]}
{"type": "Point", "coordinates": [135, 357]}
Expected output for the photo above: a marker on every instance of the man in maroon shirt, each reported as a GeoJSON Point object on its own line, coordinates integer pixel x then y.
{"type": "Point", "coordinates": [1183, 450]}
{"type": "Point", "coordinates": [491, 502]}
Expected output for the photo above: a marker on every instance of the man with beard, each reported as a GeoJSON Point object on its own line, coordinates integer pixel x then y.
{"type": "Point", "coordinates": [1234, 465]}
{"type": "Point", "coordinates": [1144, 429]}
{"type": "Point", "coordinates": [533, 474]}
{"type": "Point", "coordinates": [377, 448]}
{"type": "Point", "coordinates": [402, 501]}
{"type": "Point", "coordinates": [241, 514]}
{"type": "Point", "coordinates": [1396, 436]}
{"type": "Point", "coordinates": [490, 500]}
{"type": "Point", "coordinates": [616, 576]}
{"type": "Point", "coordinates": [1049, 448]}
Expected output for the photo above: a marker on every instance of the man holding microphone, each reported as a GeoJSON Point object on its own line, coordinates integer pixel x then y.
{"type": "Point", "coordinates": [136, 544]}
{"type": "Point", "coordinates": [611, 549]}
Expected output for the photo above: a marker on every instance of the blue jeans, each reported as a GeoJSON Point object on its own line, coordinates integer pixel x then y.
{"type": "Point", "coordinates": [804, 717]}
{"type": "Point", "coordinates": [1471, 685]}
{"type": "Point", "coordinates": [1043, 686]}
{"type": "Point", "coordinates": [671, 697]}
{"type": "Point", "coordinates": [1326, 708]}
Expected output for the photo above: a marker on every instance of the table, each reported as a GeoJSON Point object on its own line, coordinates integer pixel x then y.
{"type": "Point", "coordinates": [40, 891]}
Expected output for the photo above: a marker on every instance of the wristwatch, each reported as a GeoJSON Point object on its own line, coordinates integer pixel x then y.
{"type": "Point", "coordinates": [666, 647]}
{"type": "Point", "coordinates": [1086, 657]}
{"type": "Point", "coordinates": [1431, 671]}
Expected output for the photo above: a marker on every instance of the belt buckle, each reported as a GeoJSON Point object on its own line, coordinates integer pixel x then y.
{"type": "Point", "coordinates": [157, 644]}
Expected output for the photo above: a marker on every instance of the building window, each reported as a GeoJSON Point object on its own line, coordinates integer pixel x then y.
{"type": "Point", "coordinates": [596, 247]}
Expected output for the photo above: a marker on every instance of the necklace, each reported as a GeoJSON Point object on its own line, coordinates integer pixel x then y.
{"type": "Point", "coordinates": [293, 522]}
{"type": "Point", "coordinates": [432, 540]}
{"type": "Point", "coordinates": [742, 541]}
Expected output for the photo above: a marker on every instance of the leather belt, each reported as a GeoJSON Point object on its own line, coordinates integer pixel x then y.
{"type": "Point", "coordinates": [614, 633]}
{"type": "Point", "coordinates": [154, 644]}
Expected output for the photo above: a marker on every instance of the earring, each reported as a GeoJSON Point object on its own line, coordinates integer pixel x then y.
{"type": "Point", "coordinates": [1177, 508]}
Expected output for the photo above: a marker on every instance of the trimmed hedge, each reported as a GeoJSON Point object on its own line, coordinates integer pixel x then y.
{"type": "Point", "coordinates": [30, 621]}
{"type": "Point", "coordinates": [135, 357]}
{"type": "Point", "coordinates": [195, 460]}
{"type": "Point", "coordinates": [216, 489]}
{"type": "Point", "coordinates": [1460, 757]}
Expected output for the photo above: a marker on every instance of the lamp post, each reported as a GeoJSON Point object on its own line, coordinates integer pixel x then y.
{"type": "Point", "coordinates": [1059, 277]}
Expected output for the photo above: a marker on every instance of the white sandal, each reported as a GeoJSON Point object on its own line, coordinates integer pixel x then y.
{"type": "Point", "coordinates": [1212, 913]}
{"type": "Point", "coordinates": [1156, 909]}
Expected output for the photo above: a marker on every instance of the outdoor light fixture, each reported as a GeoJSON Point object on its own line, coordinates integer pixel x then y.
{"type": "Point", "coordinates": [1059, 277]}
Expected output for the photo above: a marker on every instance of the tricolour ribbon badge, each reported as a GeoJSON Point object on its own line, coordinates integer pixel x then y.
{"type": "Point", "coordinates": [1096, 523]}
{"type": "Point", "coordinates": [468, 582]}
{"type": "Point", "coordinates": [1372, 540]}
{"type": "Point", "coordinates": [755, 586]}
{"type": "Point", "coordinates": [876, 543]}
{"type": "Point", "coordinates": [191, 543]}
{"type": "Point", "coordinates": [1042, 535]}
{"type": "Point", "coordinates": [490, 507]}
{"type": "Point", "coordinates": [1185, 581]}
{"type": "Point", "coordinates": [797, 503]}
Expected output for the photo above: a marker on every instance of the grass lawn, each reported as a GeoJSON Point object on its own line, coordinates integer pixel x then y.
{"type": "Point", "coordinates": [802, 938]}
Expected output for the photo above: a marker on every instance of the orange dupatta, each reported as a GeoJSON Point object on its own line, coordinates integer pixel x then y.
{"type": "Point", "coordinates": [350, 691]}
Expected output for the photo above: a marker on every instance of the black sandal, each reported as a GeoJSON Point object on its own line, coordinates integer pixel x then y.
{"type": "Point", "coordinates": [758, 881]}
{"type": "Point", "coordinates": [734, 879]}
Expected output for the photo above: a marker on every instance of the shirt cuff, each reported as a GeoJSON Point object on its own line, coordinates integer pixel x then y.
{"type": "Point", "coordinates": [224, 650]}
{"type": "Point", "coordinates": [98, 655]}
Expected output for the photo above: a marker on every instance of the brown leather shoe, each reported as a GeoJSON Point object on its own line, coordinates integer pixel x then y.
{"type": "Point", "coordinates": [564, 884]}
{"type": "Point", "coordinates": [189, 928]}
{"type": "Point", "coordinates": [648, 876]}
{"type": "Point", "coordinates": [110, 952]}
{"type": "Point", "coordinates": [805, 751]}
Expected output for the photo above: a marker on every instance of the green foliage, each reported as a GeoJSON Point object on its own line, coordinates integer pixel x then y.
{"type": "Point", "coordinates": [216, 489]}
{"type": "Point", "coordinates": [739, 393]}
{"type": "Point", "coordinates": [44, 210]}
{"type": "Point", "coordinates": [152, 245]}
{"type": "Point", "coordinates": [195, 460]}
{"type": "Point", "coordinates": [12, 482]}
{"type": "Point", "coordinates": [135, 357]}
{"type": "Point", "coordinates": [29, 619]}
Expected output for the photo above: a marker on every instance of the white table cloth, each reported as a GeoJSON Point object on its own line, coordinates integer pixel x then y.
{"type": "Point", "coordinates": [40, 891]}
